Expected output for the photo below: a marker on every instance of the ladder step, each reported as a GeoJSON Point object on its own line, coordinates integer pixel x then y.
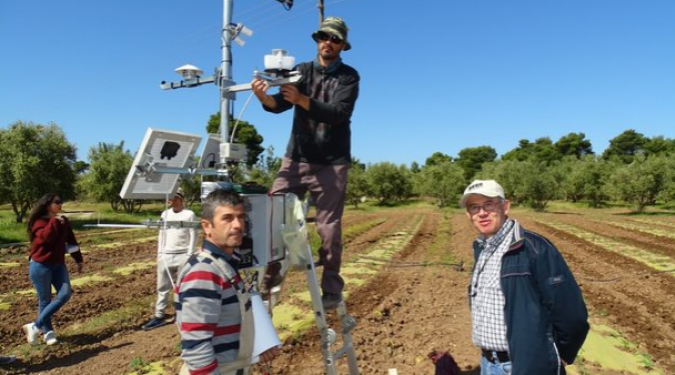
{"type": "Point", "coordinates": [342, 351]}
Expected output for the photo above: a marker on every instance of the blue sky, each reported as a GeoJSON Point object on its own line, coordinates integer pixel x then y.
{"type": "Point", "coordinates": [436, 75]}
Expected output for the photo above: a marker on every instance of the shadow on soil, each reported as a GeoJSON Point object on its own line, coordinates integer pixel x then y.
{"type": "Point", "coordinates": [74, 358]}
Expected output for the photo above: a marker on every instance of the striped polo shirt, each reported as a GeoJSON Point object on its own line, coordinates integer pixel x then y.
{"type": "Point", "coordinates": [207, 312]}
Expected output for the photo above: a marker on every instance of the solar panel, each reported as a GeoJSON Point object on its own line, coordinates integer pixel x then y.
{"type": "Point", "coordinates": [160, 150]}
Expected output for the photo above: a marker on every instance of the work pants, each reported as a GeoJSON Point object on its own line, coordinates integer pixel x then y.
{"type": "Point", "coordinates": [164, 276]}
{"type": "Point", "coordinates": [326, 185]}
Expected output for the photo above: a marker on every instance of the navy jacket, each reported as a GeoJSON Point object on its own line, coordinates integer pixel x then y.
{"type": "Point", "coordinates": [545, 313]}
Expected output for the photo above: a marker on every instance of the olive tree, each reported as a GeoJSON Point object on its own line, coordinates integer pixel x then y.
{"type": "Point", "coordinates": [34, 159]}
{"type": "Point", "coordinates": [640, 182]}
{"type": "Point", "coordinates": [389, 183]}
{"type": "Point", "coordinates": [444, 182]}
{"type": "Point", "coordinates": [109, 165]}
{"type": "Point", "coordinates": [357, 183]}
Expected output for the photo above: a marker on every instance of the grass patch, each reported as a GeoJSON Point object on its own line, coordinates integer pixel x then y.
{"type": "Point", "coordinates": [92, 279]}
{"type": "Point", "coordinates": [139, 366]}
{"type": "Point", "coordinates": [612, 351]}
{"type": "Point", "coordinates": [133, 267]}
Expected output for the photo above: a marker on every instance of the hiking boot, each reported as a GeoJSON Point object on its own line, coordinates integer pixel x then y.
{"type": "Point", "coordinates": [331, 301]}
{"type": "Point", "coordinates": [154, 323]}
{"type": "Point", "coordinates": [50, 338]}
{"type": "Point", "coordinates": [32, 333]}
{"type": "Point", "coordinates": [5, 360]}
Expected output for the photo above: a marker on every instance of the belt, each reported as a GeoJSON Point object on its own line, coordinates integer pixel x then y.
{"type": "Point", "coordinates": [494, 356]}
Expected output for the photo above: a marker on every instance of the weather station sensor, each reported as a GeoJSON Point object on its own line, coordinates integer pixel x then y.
{"type": "Point", "coordinates": [241, 29]}
{"type": "Point", "coordinates": [279, 61]}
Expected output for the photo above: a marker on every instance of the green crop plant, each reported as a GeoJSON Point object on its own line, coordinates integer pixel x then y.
{"type": "Point", "coordinates": [647, 361]}
{"type": "Point", "coordinates": [139, 365]}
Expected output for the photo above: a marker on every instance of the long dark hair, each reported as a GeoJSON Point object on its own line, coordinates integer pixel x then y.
{"type": "Point", "coordinates": [40, 209]}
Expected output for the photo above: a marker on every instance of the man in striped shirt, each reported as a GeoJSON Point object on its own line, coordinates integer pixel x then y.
{"type": "Point", "coordinates": [212, 307]}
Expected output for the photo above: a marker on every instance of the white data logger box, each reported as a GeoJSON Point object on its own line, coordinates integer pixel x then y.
{"type": "Point", "coordinates": [263, 243]}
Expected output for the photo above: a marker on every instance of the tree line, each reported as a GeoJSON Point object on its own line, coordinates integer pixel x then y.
{"type": "Point", "coordinates": [638, 170]}
{"type": "Point", "coordinates": [634, 169]}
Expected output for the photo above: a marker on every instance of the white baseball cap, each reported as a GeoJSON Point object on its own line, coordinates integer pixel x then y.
{"type": "Point", "coordinates": [488, 188]}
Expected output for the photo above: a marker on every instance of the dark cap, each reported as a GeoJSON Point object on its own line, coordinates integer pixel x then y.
{"type": "Point", "coordinates": [178, 195]}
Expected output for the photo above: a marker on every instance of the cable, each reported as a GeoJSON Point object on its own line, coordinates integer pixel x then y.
{"type": "Point", "coordinates": [234, 128]}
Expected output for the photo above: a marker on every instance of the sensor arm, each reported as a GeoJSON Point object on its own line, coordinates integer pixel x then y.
{"type": "Point", "coordinates": [186, 83]}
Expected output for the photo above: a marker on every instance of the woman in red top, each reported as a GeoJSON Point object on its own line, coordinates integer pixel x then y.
{"type": "Point", "coordinates": [50, 235]}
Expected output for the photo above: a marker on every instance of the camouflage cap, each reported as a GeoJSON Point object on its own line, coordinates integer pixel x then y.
{"type": "Point", "coordinates": [334, 26]}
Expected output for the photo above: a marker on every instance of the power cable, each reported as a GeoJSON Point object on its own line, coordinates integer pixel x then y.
{"type": "Point", "coordinates": [241, 113]}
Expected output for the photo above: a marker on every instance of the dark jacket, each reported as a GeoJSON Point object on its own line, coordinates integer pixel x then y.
{"type": "Point", "coordinates": [50, 239]}
{"type": "Point", "coordinates": [545, 313]}
{"type": "Point", "coordinates": [322, 135]}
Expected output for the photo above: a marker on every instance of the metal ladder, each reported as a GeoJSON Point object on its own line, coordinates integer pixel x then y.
{"type": "Point", "coordinates": [328, 335]}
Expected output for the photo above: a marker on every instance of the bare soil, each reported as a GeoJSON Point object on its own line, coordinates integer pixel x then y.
{"type": "Point", "coordinates": [415, 304]}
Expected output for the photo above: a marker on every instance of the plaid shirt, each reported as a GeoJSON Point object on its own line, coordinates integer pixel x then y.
{"type": "Point", "coordinates": [487, 299]}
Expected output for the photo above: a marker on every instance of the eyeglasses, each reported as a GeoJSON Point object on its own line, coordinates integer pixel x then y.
{"type": "Point", "coordinates": [57, 202]}
{"type": "Point", "coordinates": [323, 36]}
{"type": "Point", "coordinates": [487, 207]}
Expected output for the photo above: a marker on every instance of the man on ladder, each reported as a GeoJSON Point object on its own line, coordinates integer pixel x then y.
{"type": "Point", "coordinates": [319, 151]}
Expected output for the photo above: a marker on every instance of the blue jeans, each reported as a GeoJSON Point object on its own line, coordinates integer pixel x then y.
{"type": "Point", "coordinates": [488, 368]}
{"type": "Point", "coordinates": [43, 277]}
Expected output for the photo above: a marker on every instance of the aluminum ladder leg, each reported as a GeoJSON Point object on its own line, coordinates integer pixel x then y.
{"type": "Point", "coordinates": [328, 335]}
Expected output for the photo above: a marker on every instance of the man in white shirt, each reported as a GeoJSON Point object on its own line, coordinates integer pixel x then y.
{"type": "Point", "coordinates": [175, 246]}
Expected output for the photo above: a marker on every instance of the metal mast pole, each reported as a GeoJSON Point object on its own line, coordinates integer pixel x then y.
{"type": "Point", "coordinates": [321, 8]}
{"type": "Point", "coordinates": [225, 76]}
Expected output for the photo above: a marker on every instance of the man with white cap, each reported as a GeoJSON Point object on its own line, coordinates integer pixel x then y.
{"type": "Point", "coordinates": [528, 313]}
{"type": "Point", "coordinates": [319, 151]}
{"type": "Point", "coordinates": [175, 246]}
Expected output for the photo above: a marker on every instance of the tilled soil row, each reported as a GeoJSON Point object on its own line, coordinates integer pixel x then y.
{"type": "Point", "coordinates": [111, 351]}
{"type": "Point", "coordinates": [657, 244]}
{"type": "Point", "coordinates": [352, 249]}
{"type": "Point", "coordinates": [403, 313]}
{"type": "Point", "coordinates": [632, 296]}
{"type": "Point", "coordinates": [16, 278]}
